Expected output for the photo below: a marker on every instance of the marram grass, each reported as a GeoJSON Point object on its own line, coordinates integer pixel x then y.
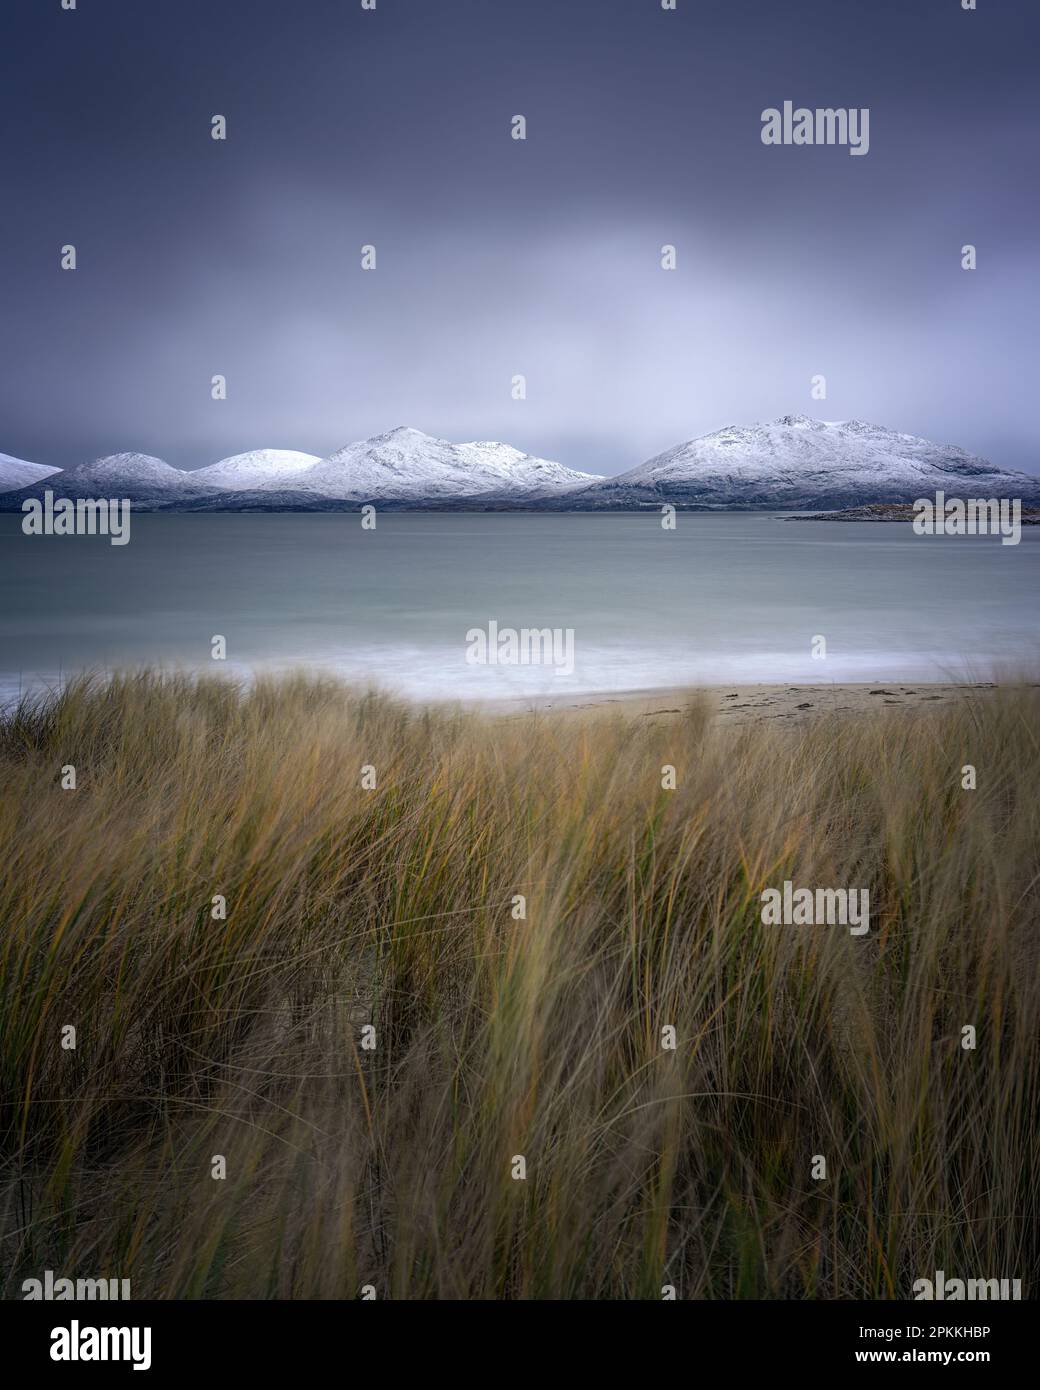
{"type": "Point", "coordinates": [498, 1038]}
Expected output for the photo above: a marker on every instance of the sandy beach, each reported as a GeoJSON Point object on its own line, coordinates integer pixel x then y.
{"type": "Point", "coordinates": [753, 704]}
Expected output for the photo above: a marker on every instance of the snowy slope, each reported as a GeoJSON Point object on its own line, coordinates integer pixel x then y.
{"type": "Point", "coordinates": [143, 479]}
{"type": "Point", "coordinates": [16, 473]}
{"type": "Point", "coordinates": [797, 462]}
{"type": "Point", "coordinates": [254, 469]}
{"type": "Point", "coordinates": [523, 472]}
{"type": "Point", "coordinates": [133, 475]}
{"type": "Point", "coordinates": [123, 474]}
{"type": "Point", "coordinates": [794, 463]}
{"type": "Point", "coordinates": [406, 464]}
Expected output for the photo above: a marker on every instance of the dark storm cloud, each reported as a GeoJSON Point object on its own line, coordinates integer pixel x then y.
{"type": "Point", "coordinates": [499, 257]}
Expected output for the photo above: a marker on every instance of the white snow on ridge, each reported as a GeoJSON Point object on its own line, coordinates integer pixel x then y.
{"type": "Point", "coordinates": [406, 464]}
{"type": "Point", "coordinates": [797, 455]}
{"type": "Point", "coordinates": [793, 448]}
{"type": "Point", "coordinates": [513, 467]}
{"type": "Point", "coordinates": [254, 468]}
{"type": "Point", "coordinates": [125, 475]}
{"type": "Point", "coordinates": [794, 463]}
{"type": "Point", "coordinates": [17, 473]}
{"type": "Point", "coordinates": [140, 477]}
{"type": "Point", "coordinates": [402, 465]}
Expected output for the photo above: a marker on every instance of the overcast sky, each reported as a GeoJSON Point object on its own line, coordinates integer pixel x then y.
{"type": "Point", "coordinates": [495, 256]}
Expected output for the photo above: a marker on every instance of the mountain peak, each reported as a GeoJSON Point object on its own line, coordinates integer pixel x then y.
{"type": "Point", "coordinates": [248, 470]}
{"type": "Point", "coordinates": [140, 477]}
{"type": "Point", "coordinates": [801, 422]}
{"type": "Point", "coordinates": [402, 432]}
{"type": "Point", "coordinates": [406, 465]}
{"type": "Point", "coordinates": [124, 469]}
{"type": "Point", "coordinates": [797, 462]}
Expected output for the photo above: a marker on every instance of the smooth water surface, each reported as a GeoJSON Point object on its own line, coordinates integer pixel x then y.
{"type": "Point", "coordinates": [723, 598]}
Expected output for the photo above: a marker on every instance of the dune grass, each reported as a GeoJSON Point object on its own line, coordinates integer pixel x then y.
{"type": "Point", "coordinates": [498, 1037]}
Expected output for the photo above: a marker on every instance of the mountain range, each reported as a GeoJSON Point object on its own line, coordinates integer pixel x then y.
{"type": "Point", "coordinates": [792, 464]}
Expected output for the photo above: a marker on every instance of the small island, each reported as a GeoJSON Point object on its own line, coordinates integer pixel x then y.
{"type": "Point", "coordinates": [891, 511]}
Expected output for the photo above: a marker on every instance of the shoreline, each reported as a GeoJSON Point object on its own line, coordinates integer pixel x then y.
{"type": "Point", "coordinates": [737, 703]}
{"type": "Point", "coordinates": [733, 703]}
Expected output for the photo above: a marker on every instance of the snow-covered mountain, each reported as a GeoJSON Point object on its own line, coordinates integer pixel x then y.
{"type": "Point", "coordinates": [118, 475]}
{"type": "Point", "coordinates": [792, 464]}
{"type": "Point", "coordinates": [16, 473]}
{"type": "Point", "coordinates": [146, 480]}
{"type": "Point", "coordinates": [796, 463]}
{"type": "Point", "coordinates": [520, 472]}
{"type": "Point", "coordinates": [254, 469]}
{"type": "Point", "coordinates": [407, 465]}
{"type": "Point", "coordinates": [401, 467]}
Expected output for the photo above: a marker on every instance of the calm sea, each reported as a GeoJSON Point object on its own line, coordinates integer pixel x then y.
{"type": "Point", "coordinates": [722, 598]}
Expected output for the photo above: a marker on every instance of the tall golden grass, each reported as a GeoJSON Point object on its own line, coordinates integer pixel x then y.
{"type": "Point", "coordinates": [498, 1037]}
